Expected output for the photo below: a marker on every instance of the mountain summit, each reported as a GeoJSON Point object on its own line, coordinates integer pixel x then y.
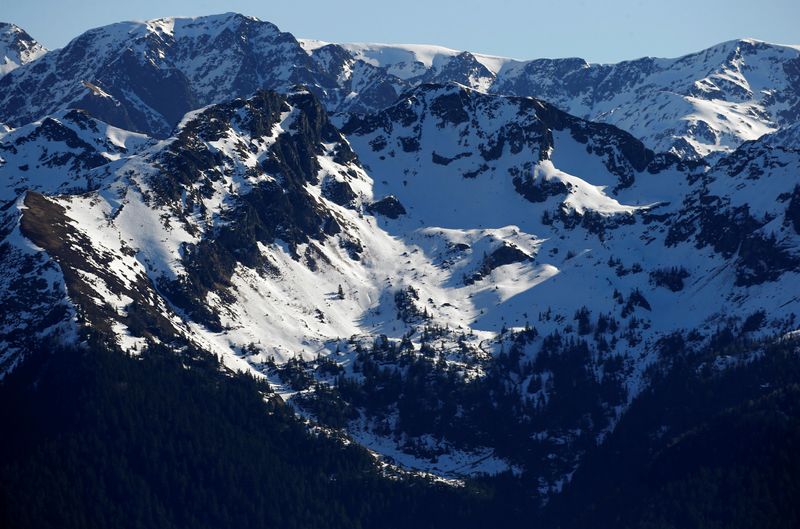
{"type": "Point", "coordinates": [693, 106]}
{"type": "Point", "coordinates": [17, 48]}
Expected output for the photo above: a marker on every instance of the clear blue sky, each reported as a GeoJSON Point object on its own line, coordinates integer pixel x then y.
{"type": "Point", "coordinates": [598, 30]}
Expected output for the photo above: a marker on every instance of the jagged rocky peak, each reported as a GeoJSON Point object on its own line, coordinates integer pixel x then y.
{"type": "Point", "coordinates": [694, 106]}
{"type": "Point", "coordinates": [491, 129]}
{"type": "Point", "coordinates": [333, 58]}
{"type": "Point", "coordinates": [244, 175]}
{"type": "Point", "coordinates": [266, 136]}
{"type": "Point", "coordinates": [17, 48]}
{"type": "Point", "coordinates": [706, 102]}
{"type": "Point", "coordinates": [240, 187]}
{"type": "Point", "coordinates": [145, 76]}
{"type": "Point", "coordinates": [700, 104]}
{"type": "Point", "coordinates": [361, 86]}
{"type": "Point", "coordinates": [463, 68]}
{"type": "Point", "coordinates": [230, 151]}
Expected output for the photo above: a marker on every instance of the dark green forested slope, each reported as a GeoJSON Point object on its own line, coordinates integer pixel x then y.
{"type": "Point", "coordinates": [104, 440]}
{"type": "Point", "coordinates": [703, 448]}
{"type": "Point", "coordinates": [99, 439]}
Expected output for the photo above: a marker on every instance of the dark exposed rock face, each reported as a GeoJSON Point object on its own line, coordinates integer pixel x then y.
{"type": "Point", "coordinates": [761, 259]}
{"type": "Point", "coordinates": [340, 193]}
{"type": "Point", "coordinates": [388, 207]}
{"type": "Point", "coordinates": [449, 108]}
{"type": "Point", "coordinates": [734, 233]}
{"type": "Point", "coordinates": [622, 154]}
{"type": "Point", "coordinates": [503, 255]}
{"type": "Point", "coordinates": [539, 190]}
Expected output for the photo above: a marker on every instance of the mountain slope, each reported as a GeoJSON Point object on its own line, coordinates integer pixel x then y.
{"type": "Point", "coordinates": [198, 188]}
{"type": "Point", "coordinates": [572, 237]}
{"type": "Point", "coordinates": [146, 75]}
{"type": "Point", "coordinates": [58, 152]}
{"type": "Point", "coordinates": [585, 189]}
{"type": "Point", "coordinates": [259, 233]}
{"type": "Point", "coordinates": [17, 48]}
{"type": "Point", "coordinates": [702, 103]}
{"type": "Point", "coordinates": [464, 282]}
{"type": "Point", "coordinates": [193, 445]}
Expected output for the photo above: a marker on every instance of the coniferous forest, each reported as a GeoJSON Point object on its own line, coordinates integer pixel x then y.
{"type": "Point", "coordinates": [97, 438]}
{"type": "Point", "coordinates": [100, 439]}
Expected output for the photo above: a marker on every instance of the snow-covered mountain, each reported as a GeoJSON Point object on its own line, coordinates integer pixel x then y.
{"type": "Point", "coordinates": [531, 226]}
{"type": "Point", "coordinates": [700, 104]}
{"type": "Point", "coordinates": [415, 62]}
{"type": "Point", "coordinates": [56, 154]}
{"type": "Point", "coordinates": [16, 48]}
{"type": "Point", "coordinates": [706, 102]}
{"type": "Point", "coordinates": [146, 75]}
{"type": "Point", "coordinates": [587, 208]}
{"type": "Point", "coordinates": [694, 105]}
{"type": "Point", "coordinates": [260, 234]}
{"type": "Point", "coordinates": [157, 211]}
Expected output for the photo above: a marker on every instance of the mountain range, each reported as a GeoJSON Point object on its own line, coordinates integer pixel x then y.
{"type": "Point", "coordinates": [476, 267]}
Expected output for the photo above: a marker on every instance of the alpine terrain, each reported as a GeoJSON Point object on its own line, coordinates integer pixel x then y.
{"type": "Point", "coordinates": [254, 280]}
